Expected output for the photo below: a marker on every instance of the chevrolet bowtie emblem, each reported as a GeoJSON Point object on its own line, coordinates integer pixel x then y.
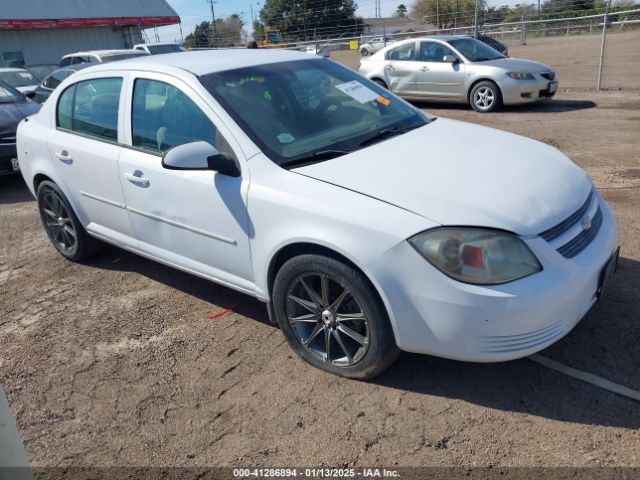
{"type": "Point", "coordinates": [585, 223]}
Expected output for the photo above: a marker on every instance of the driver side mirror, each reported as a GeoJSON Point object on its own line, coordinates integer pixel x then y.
{"type": "Point", "coordinates": [200, 156]}
{"type": "Point", "coordinates": [450, 59]}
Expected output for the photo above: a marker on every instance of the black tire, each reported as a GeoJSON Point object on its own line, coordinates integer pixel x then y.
{"type": "Point", "coordinates": [364, 52]}
{"type": "Point", "coordinates": [380, 82]}
{"type": "Point", "coordinates": [485, 97]}
{"type": "Point", "coordinates": [74, 246]}
{"type": "Point", "coordinates": [361, 341]}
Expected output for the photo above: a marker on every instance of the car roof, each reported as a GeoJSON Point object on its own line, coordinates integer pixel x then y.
{"type": "Point", "coordinates": [202, 62]}
{"type": "Point", "coordinates": [12, 69]}
{"type": "Point", "coordinates": [101, 52]}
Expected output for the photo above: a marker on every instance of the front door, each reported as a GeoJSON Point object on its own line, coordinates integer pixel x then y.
{"type": "Point", "coordinates": [85, 149]}
{"type": "Point", "coordinates": [198, 219]}
{"type": "Point", "coordinates": [435, 77]}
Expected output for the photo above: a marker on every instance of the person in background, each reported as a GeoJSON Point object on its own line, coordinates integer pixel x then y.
{"type": "Point", "coordinates": [252, 44]}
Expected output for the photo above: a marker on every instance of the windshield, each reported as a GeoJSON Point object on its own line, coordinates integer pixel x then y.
{"type": "Point", "coordinates": [9, 94]}
{"type": "Point", "coordinates": [474, 50]}
{"type": "Point", "coordinates": [157, 49]}
{"type": "Point", "coordinates": [121, 56]}
{"type": "Point", "coordinates": [306, 108]}
{"type": "Point", "coordinates": [19, 78]}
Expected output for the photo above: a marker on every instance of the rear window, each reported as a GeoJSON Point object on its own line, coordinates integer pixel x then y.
{"type": "Point", "coordinates": [91, 108]}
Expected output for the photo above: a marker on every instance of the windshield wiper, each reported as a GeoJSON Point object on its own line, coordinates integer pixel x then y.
{"type": "Point", "coordinates": [315, 157]}
{"type": "Point", "coordinates": [386, 133]}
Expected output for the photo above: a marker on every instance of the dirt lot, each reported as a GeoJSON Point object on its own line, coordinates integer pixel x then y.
{"type": "Point", "coordinates": [114, 362]}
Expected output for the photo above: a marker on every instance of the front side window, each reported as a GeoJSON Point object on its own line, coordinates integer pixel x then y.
{"type": "Point", "coordinates": [433, 52]}
{"type": "Point", "coordinates": [405, 52]}
{"type": "Point", "coordinates": [163, 117]}
{"type": "Point", "coordinates": [56, 78]}
{"type": "Point", "coordinates": [309, 109]}
{"type": "Point", "coordinates": [94, 108]}
{"type": "Point", "coordinates": [474, 50]}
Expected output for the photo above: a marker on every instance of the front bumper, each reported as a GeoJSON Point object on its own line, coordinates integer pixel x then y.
{"type": "Point", "coordinates": [434, 314]}
{"type": "Point", "coordinates": [515, 92]}
{"type": "Point", "coordinates": [7, 152]}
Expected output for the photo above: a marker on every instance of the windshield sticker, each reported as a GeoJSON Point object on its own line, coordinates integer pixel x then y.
{"type": "Point", "coordinates": [25, 75]}
{"type": "Point", "coordinates": [357, 91]}
{"type": "Point", "coordinates": [384, 101]}
{"type": "Point", "coordinates": [286, 138]}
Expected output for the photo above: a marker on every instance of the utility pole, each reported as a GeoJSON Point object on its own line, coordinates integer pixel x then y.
{"type": "Point", "coordinates": [438, 14]}
{"type": "Point", "coordinates": [213, 18]}
{"type": "Point", "coordinates": [605, 22]}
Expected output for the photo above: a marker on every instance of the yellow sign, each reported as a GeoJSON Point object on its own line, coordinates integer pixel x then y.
{"type": "Point", "coordinates": [353, 45]}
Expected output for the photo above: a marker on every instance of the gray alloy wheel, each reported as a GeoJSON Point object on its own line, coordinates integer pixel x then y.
{"type": "Point", "coordinates": [333, 317]}
{"type": "Point", "coordinates": [62, 225]}
{"type": "Point", "coordinates": [327, 319]}
{"type": "Point", "coordinates": [485, 97]}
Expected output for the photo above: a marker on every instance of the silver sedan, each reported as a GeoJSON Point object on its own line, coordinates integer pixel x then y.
{"type": "Point", "coordinates": [459, 69]}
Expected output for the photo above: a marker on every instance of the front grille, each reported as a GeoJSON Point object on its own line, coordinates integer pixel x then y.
{"type": "Point", "coordinates": [8, 140]}
{"type": "Point", "coordinates": [562, 227]}
{"type": "Point", "coordinates": [549, 75]}
{"type": "Point", "coordinates": [582, 240]}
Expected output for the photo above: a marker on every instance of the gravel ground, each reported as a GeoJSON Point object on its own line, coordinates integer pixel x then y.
{"type": "Point", "coordinates": [114, 362]}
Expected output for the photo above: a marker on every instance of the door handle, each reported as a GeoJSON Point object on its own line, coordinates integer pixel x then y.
{"type": "Point", "coordinates": [424, 69]}
{"type": "Point", "coordinates": [388, 67]}
{"type": "Point", "coordinates": [137, 179]}
{"type": "Point", "coordinates": [64, 157]}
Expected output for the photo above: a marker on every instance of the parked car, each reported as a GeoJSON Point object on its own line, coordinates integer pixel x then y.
{"type": "Point", "coordinates": [99, 56]}
{"type": "Point", "coordinates": [14, 106]}
{"type": "Point", "coordinates": [321, 50]}
{"type": "Point", "coordinates": [459, 69]}
{"type": "Point", "coordinates": [41, 71]}
{"type": "Point", "coordinates": [158, 48]}
{"type": "Point", "coordinates": [495, 44]}
{"type": "Point", "coordinates": [366, 225]}
{"type": "Point", "coordinates": [51, 82]}
{"type": "Point", "coordinates": [19, 78]}
{"type": "Point", "coordinates": [374, 45]}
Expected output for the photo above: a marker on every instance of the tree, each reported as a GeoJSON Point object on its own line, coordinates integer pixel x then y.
{"type": "Point", "coordinates": [200, 36]}
{"type": "Point", "coordinates": [401, 11]}
{"type": "Point", "coordinates": [447, 13]}
{"type": "Point", "coordinates": [306, 19]}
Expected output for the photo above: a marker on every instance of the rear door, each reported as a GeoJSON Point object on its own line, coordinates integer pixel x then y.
{"type": "Point", "coordinates": [400, 69]}
{"type": "Point", "coordinates": [85, 146]}
{"type": "Point", "coordinates": [436, 78]}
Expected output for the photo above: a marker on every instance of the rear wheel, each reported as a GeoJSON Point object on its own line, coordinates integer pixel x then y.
{"type": "Point", "coordinates": [485, 97]}
{"type": "Point", "coordinates": [364, 52]}
{"type": "Point", "coordinates": [332, 317]}
{"type": "Point", "coordinates": [64, 229]}
{"type": "Point", "coordinates": [380, 82]}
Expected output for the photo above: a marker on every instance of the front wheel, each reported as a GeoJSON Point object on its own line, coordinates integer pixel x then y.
{"type": "Point", "coordinates": [364, 52]}
{"type": "Point", "coordinates": [485, 97]}
{"type": "Point", "coordinates": [332, 317]}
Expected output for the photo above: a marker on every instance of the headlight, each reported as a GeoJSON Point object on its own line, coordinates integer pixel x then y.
{"type": "Point", "coordinates": [476, 255]}
{"type": "Point", "coordinates": [521, 75]}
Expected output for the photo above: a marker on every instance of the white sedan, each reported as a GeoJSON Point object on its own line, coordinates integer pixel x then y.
{"type": "Point", "coordinates": [365, 225]}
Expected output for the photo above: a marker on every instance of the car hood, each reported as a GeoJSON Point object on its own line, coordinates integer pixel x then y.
{"type": "Point", "coordinates": [12, 113]}
{"type": "Point", "coordinates": [456, 173]}
{"type": "Point", "coordinates": [516, 65]}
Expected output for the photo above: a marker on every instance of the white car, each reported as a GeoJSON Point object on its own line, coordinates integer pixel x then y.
{"type": "Point", "coordinates": [365, 225]}
{"type": "Point", "coordinates": [374, 45]}
{"type": "Point", "coordinates": [159, 48]}
{"type": "Point", "coordinates": [99, 56]}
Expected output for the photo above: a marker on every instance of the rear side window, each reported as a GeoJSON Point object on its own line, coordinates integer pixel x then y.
{"type": "Point", "coordinates": [163, 117]}
{"type": "Point", "coordinates": [403, 52]}
{"type": "Point", "coordinates": [94, 108]}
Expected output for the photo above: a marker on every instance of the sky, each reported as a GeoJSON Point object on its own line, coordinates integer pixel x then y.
{"type": "Point", "coordinates": [192, 12]}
